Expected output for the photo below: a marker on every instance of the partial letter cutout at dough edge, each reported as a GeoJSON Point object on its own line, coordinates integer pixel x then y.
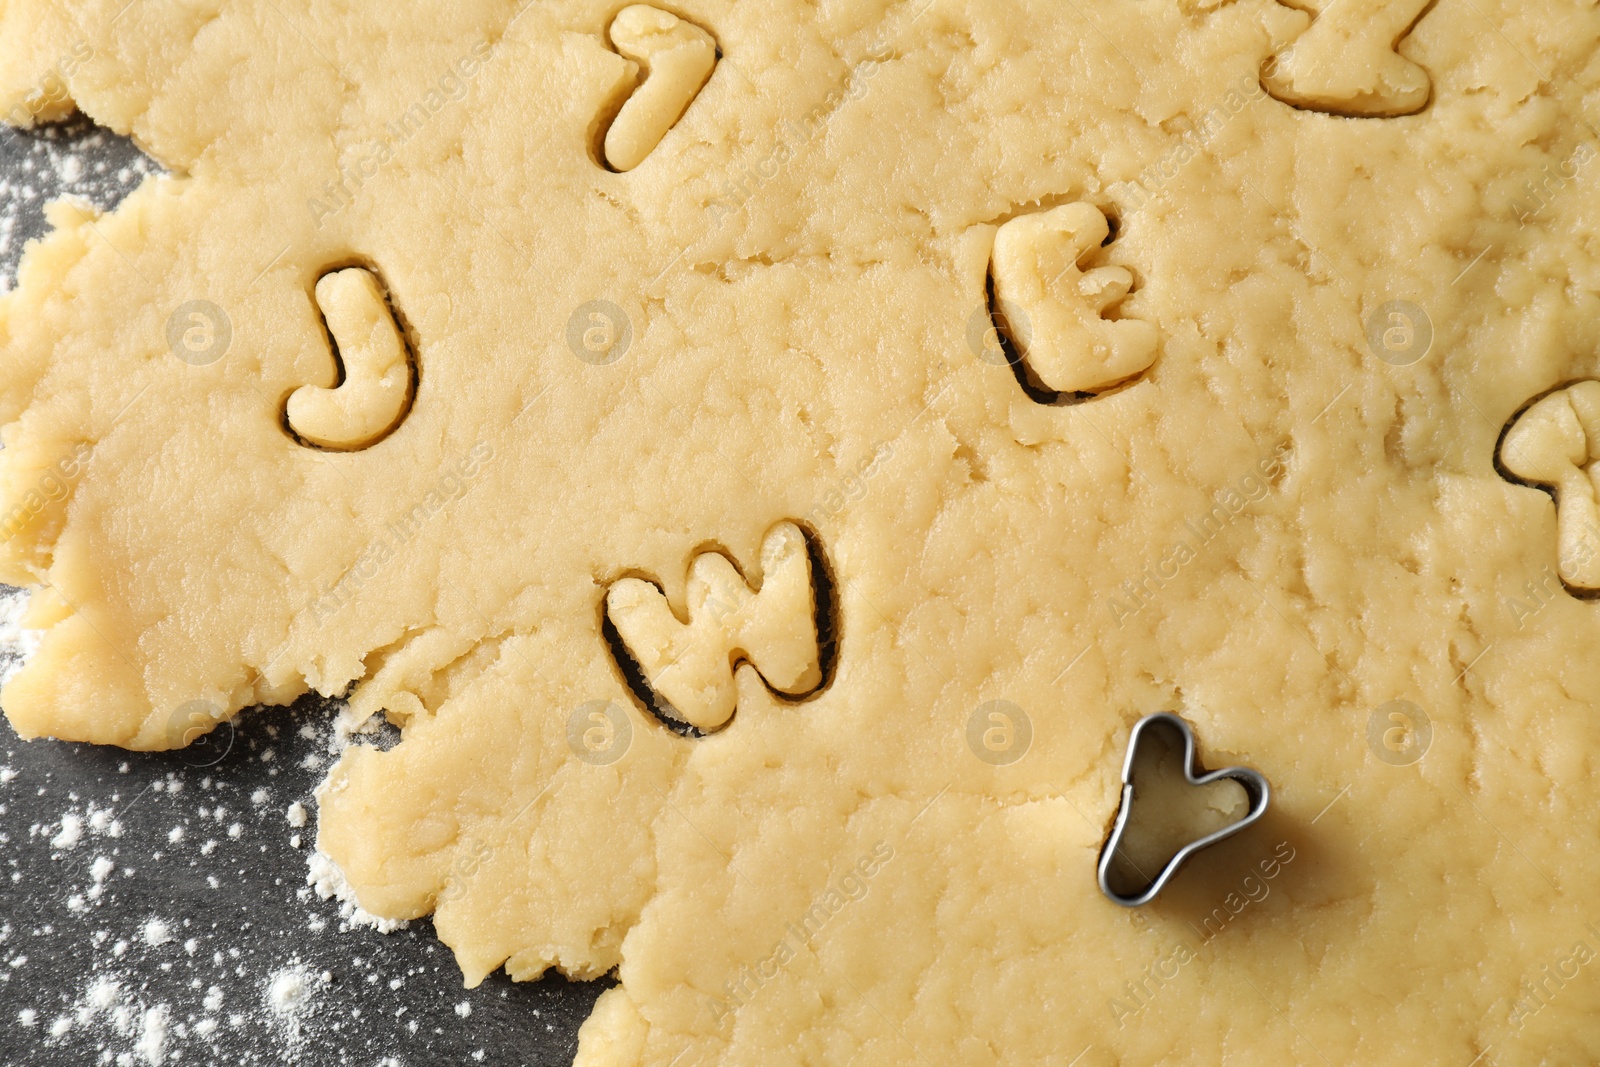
{"type": "Point", "coordinates": [1346, 62]}
{"type": "Point", "coordinates": [1553, 444]}
{"type": "Point", "coordinates": [676, 58]}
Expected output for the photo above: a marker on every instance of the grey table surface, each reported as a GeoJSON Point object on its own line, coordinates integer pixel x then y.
{"type": "Point", "coordinates": [155, 908]}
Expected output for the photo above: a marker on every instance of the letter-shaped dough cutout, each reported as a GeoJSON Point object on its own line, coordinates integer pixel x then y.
{"type": "Point", "coordinates": [677, 58]}
{"type": "Point", "coordinates": [1553, 443]}
{"type": "Point", "coordinates": [691, 664]}
{"type": "Point", "coordinates": [376, 392]}
{"type": "Point", "coordinates": [1346, 64]}
{"type": "Point", "coordinates": [1067, 343]}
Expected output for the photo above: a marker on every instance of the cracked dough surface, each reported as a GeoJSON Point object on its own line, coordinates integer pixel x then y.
{"type": "Point", "coordinates": [799, 294]}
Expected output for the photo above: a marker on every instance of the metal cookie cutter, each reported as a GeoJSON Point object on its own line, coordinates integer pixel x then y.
{"type": "Point", "coordinates": [1255, 787]}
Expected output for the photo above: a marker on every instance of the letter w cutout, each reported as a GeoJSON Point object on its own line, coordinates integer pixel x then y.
{"type": "Point", "coordinates": [690, 665]}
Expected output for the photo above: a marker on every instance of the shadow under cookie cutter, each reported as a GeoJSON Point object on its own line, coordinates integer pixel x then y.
{"type": "Point", "coordinates": [1257, 791]}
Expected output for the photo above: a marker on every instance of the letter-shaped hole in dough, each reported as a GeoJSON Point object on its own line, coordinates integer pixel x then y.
{"type": "Point", "coordinates": [675, 59]}
{"type": "Point", "coordinates": [376, 381]}
{"type": "Point", "coordinates": [1552, 444]}
{"type": "Point", "coordinates": [1346, 62]}
{"type": "Point", "coordinates": [784, 632]}
{"type": "Point", "coordinates": [1052, 311]}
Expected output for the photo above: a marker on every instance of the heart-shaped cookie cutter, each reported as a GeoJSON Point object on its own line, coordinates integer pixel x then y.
{"type": "Point", "coordinates": [1255, 786]}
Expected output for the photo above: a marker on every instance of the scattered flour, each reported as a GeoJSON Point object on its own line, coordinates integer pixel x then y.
{"type": "Point", "coordinates": [99, 871]}
{"type": "Point", "coordinates": [328, 880]}
{"type": "Point", "coordinates": [17, 645]}
{"type": "Point", "coordinates": [102, 994]}
{"type": "Point", "coordinates": [144, 1027]}
{"type": "Point", "coordinates": [71, 831]}
{"type": "Point", "coordinates": [53, 164]}
{"type": "Point", "coordinates": [156, 933]}
{"type": "Point", "coordinates": [153, 1035]}
{"type": "Point", "coordinates": [115, 1008]}
{"type": "Point", "coordinates": [288, 991]}
{"type": "Point", "coordinates": [347, 726]}
{"type": "Point", "coordinates": [290, 995]}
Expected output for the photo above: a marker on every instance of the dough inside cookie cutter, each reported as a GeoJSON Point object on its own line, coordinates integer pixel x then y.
{"type": "Point", "coordinates": [1126, 883]}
